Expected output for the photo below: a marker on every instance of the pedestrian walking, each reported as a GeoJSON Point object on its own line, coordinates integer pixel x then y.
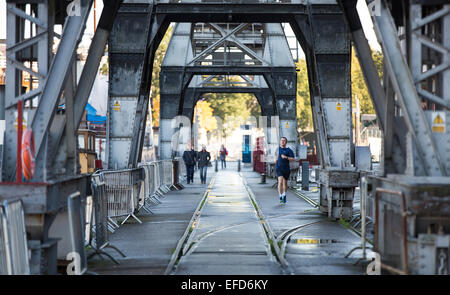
{"type": "Point", "coordinates": [190, 159]}
{"type": "Point", "coordinates": [283, 155]}
{"type": "Point", "coordinates": [223, 156]}
{"type": "Point", "coordinates": [203, 161]}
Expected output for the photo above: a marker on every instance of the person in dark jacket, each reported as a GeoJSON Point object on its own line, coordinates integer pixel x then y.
{"type": "Point", "coordinates": [203, 160]}
{"type": "Point", "coordinates": [190, 159]}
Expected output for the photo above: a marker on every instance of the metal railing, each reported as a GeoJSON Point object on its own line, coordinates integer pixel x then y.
{"type": "Point", "coordinates": [123, 193]}
{"type": "Point", "coordinates": [14, 258]}
{"type": "Point", "coordinates": [128, 191]}
{"type": "Point", "coordinates": [100, 226]}
{"type": "Point", "coordinates": [122, 190]}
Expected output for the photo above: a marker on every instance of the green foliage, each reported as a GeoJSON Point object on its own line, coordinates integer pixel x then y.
{"type": "Point", "coordinates": [359, 87]}
{"type": "Point", "coordinates": [157, 62]}
{"type": "Point", "coordinates": [304, 113]}
{"type": "Point", "coordinates": [228, 105]}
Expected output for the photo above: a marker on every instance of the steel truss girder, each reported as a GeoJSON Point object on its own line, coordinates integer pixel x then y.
{"type": "Point", "coordinates": [426, 160]}
{"type": "Point", "coordinates": [134, 39]}
{"type": "Point", "coordinates": [61, 141]}
{"type": "Point", "coordinates": [324, 37]}
{"type": "Point", "coordinates": [16, 45]}
{"type": "Point", "coordinates": [328, 59]}
{"type": "Point", "coordinates": [383, 102]}
{"type": "Point", "coordinates": [429, 60]}
{"type": "Point", "coordinates": [176, 72]}
{"type": "Point", "coordinates": [51, 86]}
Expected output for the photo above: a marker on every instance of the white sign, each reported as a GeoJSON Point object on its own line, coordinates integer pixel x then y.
{"type": "Point", "coordinates": [438, 122]}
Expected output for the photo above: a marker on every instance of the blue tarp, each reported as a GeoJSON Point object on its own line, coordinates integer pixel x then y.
{"type": "Point", "coordinates": [91, 115]}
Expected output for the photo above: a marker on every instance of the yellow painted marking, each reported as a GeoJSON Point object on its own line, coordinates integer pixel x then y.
{"type": "Point", "coordinates": [211, 196]}
{"type": "Point", "coordinates": [307, 241]}
{"type": "Point", "coordinates": [117, 106]}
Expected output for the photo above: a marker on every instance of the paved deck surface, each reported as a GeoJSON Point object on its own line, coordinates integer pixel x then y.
{"type": "Point", "coordinates": [228, 237]}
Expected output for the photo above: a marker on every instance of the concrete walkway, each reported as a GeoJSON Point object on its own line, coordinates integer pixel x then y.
{"type": "Point", "coordinates": [149, 246]}
{"type": "Point", "coordinates": [317, 245]}
{"type": "Point", "coordinates": [228, 237]}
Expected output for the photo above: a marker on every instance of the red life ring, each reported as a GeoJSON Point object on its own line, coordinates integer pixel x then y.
{"type": "Point", "coordinates": [28, 154]}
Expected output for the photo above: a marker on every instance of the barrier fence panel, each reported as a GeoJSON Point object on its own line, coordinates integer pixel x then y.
{"type": "Point", "coordinates": [100, 224]}
{"type": "Point", "coordinates": [156, 193]}
{"type": "Point", "coordinates": [153, 184]}
{"type": "Point", "coordinates": [122, 190]}
{"type": "Point", "coordinates": [100, 220]}
{"type": "Point", "coordinates": [77, 227]}
{"type": "Point", "coordinates": [162, 186]}
{"type": "Point", "coordinates": [13, 241]}
{"type": "Point", "coordinates": [89, 214]}
{"type": "Point", "coordinates": [168, 174]}
{"type": "Point", "coordinates": [182, 170]}
{"type": "Point", "coordinates": [122, 193]}
{"type": "Point", "coordinates": [145, 193]}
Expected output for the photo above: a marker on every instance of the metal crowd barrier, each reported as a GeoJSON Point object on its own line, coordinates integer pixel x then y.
{"type": "Point", "coordinates": [163, 187]}
{"type": "Point", "coordinates": [149, 193]}
{"type": "Point", "coordinates": [122, 193]}
{"type": "Point", "coordinates": [14, 258]}
{"type": "Point", "coordinates": [182, 173]}
{"type": "Point", "coordinates": [168, 180]}
{"type": "Point", "coordinates": [156, 191]}
{"type": "Point", "coordinates": [122, 190]}
{"type": "Point", "coordinates": [100, 226]}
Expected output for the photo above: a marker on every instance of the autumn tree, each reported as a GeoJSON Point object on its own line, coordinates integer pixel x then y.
{"type": "Point", "coordinates": [157, 62]}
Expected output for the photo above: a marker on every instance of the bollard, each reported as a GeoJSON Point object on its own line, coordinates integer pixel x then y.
{"type": "Point", "coordinates": [239, 165]}
{"type": "Point", "coordinates": [217, 165]}
{"type": "Point", "coordinates": [305, 175]}
{"type": "Point", "coordinates": [263, 177]}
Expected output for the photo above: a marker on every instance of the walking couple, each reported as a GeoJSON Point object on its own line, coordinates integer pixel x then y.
{"type": "Point", "coordinates": [191, 158]}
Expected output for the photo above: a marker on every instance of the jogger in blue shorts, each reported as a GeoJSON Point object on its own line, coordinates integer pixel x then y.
{"type": "Point", "coordinates": [284, 155]}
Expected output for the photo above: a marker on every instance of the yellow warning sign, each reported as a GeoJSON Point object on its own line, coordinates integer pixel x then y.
{"type": "Point", "coordinates": [24, 121]}
{"type": "Point", "coordinates": [338, 106]}
{"type": "Point", "coordinates": [438, 122]}
{"type": "Point", "coordinates": [116, 105]}
{"type": "Point", "coordinates": [287, 124]}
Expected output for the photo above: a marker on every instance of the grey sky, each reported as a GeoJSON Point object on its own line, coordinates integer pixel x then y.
{"type": "Point", "coordinates": [362, 9]}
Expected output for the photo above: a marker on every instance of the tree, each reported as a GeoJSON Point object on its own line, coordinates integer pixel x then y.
{"type": "Point", "coordinates": [304, 112]}
{"type": "Point", "coordinates": [226, 106]}
{"type": "Point", "coordinates": [359, 87]}
{"type": "Point", "coordinates": [205, 116]}
{"type": "Point", "coordinates": [157, 62]}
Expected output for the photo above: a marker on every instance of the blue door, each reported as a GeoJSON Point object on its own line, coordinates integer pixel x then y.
{"type": "Point", "coordinates": [246, 152]}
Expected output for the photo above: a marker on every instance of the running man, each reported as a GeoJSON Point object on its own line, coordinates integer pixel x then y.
{"type": "Point", "coordinates": [284, 155]}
